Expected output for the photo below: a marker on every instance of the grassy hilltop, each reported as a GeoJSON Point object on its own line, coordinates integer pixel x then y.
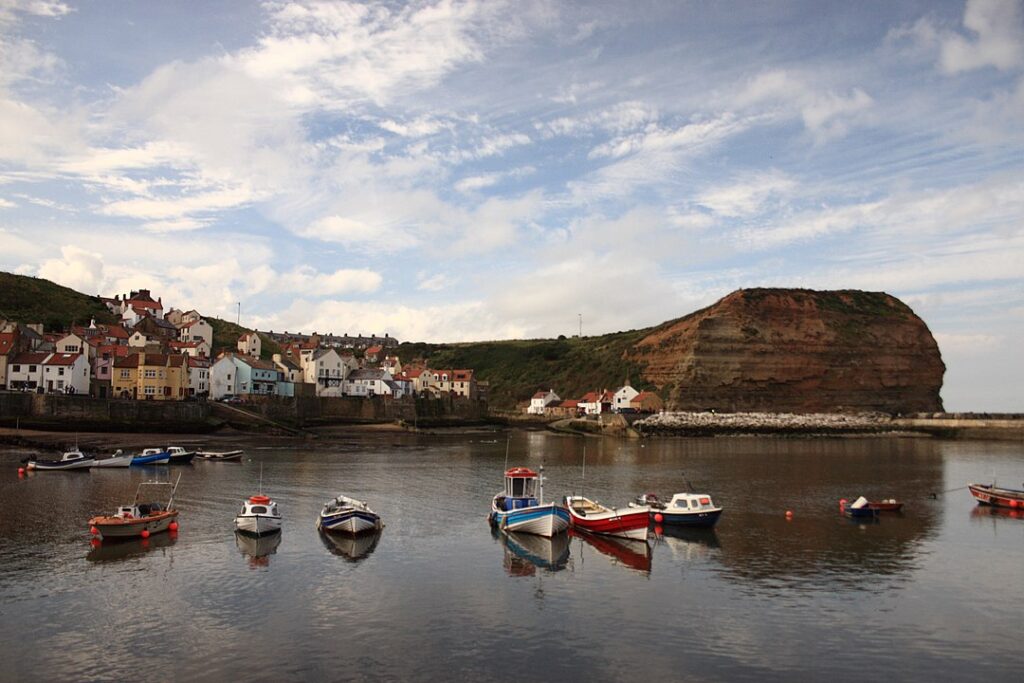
{"type": "Point", "coordinates": [34, 300]}
{"type": "Point", "coordinates": [519, 368]}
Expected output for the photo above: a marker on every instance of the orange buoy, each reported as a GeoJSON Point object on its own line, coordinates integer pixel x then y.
{"type": "Point", "coordinates": [173, 526]}
{"type": "Point", "coordinates": [659, 531]}
{"type": "Point", "coordinates": [658, 517]}
{"type": "Point", "coordinates": [145, 533]}
{"type": "Point", "coordinates": [94, 531]}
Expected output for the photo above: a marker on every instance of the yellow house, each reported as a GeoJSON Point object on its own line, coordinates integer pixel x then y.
{"type": "Point", "coordinates": [151, 376]}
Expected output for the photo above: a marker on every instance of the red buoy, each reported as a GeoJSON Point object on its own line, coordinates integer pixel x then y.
{"type": "Point", "coordinates": [658, 517]}
{"type": "Point", "coordinates": [173, 526]}
{"type": "Point", "coordinates": [21, 471]}
{"type": "Point", "coordinates": [1014, 503]}
{"type": "Point", "coordinates": [789, 514]}
{"type": "Point", "coordinates": [145, 533]}
{"type": "Point", "coordinates": [95, 542]}
{"type": "Point", "coordinates": [94, 531]}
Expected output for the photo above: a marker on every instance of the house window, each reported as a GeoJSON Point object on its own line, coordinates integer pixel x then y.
{"type": "Point", "coordinates": [60, 384]}
{"type": "Point", "coordinates": [16, 368]}
{"type": "Point", "coordinates": [150, 374]}
{"type": "Point", "coordinates": [31, 368]}
{"type": "Point", "coordinates": [60, 371]}
{"type": "Point", "coordinates": [126, 374]}
{"type": "Point", "coordinates": [149, 391]}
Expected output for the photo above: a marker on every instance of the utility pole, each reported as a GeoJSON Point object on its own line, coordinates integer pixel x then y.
{"type": "Point", "coordinates": [581, 325]}
{"type": "Point", "coordinates": [238, 320]}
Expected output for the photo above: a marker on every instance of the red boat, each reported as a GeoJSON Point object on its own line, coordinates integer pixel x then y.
{"type": "Point", "coordinates": [628, 522]}
{"type": "Point", "coordinates": [891, 505]}
{"type": "Point", "coordinates": [989, 494]}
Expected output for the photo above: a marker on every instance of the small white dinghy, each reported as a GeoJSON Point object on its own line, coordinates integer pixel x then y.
{"type": "Point", "coordinates": [118, 459]}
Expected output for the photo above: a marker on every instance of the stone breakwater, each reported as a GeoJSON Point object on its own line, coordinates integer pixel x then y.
{"type": "Point", "coordinates": [707, 423]}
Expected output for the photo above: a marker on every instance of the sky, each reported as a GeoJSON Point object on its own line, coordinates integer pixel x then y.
{"type": "Point", "coordinates": [473, 170]}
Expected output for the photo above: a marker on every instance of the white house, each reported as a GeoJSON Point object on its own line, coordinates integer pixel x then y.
{"type": "Point", "coordinates": [541, 400]}
{"type": "Point", "coordinates": [392, 364]}
{"type": "Point", "coordinates": [71, 343]}
{"type": "Point", "coordinates": [198, 376]}
{"type": "Point", "coordinates": [327, 370]}
{"type": "Point", "coordinates": [66, 373]}
{"type": "Point", "coordinates": [250, 344]}
{"type": "Point", "coordinates": [192, 349]}
{"type": "Point", "coordinates": [138, 339]}
{"type": "Point", "coordinates": [622, 396]}
{"type": "Point", "coordinates": [370, 382]}
{"type": "Point", "coordinates": [196, 331]}
{"type": "Point", "coordinates": [25, 371]}
{"type": "Point", "coordinates": [228, 378]}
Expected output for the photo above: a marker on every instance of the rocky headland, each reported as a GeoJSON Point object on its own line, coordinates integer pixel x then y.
{"type": "Point", "coordinates": [795, 351]}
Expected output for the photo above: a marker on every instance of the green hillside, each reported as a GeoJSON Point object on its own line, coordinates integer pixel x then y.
{"type": "Point", "coordinates": [34, 300]}
{"type": "Point", "coordinates": [518, 369]}
{"type": "Point", "coordinates": [226, 334]}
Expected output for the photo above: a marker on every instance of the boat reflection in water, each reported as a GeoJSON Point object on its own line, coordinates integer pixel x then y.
{"type": "Point", "coordinates": [687, 542]}
{"type": "Point", "coordinates": [631, 553]}
{"type": "Point", "coordinates": [116, 550]}
{"type": "Point", "coordinates": [258, 549]}
{"type": "Point", "coordinates": [980, 512]}
{"type": "Point", "coordinates": [526, 553]}
{"type": "Point", "coordinates": [352, 548]}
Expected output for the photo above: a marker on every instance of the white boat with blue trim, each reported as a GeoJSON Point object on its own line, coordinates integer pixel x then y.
{"type": "Point", "coordinates": [520, 507]}
{"type": "Point", "coordinates": [348, 516]}
{"type": "Point", "coordinates": [259, 516]}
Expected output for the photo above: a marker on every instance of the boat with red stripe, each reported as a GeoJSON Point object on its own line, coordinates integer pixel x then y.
{"type": "Point", "coordinates": [990, 494]}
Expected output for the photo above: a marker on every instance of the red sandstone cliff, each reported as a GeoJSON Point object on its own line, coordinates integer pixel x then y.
{"type": "Point", "coordinates": [788, 350]}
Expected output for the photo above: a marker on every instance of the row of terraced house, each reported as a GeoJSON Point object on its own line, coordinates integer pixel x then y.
{"type": "Point", "coordinates": [150, 355]}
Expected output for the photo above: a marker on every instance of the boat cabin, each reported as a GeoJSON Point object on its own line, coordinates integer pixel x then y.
{"type": "Point", "coordinates": [690, 501]}
{"type": "Point", "coordinates": [259, 505]}
{"type": "Point", "coordinates": [521, 487]}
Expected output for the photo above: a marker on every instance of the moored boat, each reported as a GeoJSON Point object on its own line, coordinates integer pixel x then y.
{"type": "Point", "coordinates": [627, 522]}
{"type": "Point", "coordinates": [521, 508]}
{"type": "Point", "coordinates": [118, 459]}
{"type": "Point", "coordinates": [348, 516]}
{"type": "Point", "coordinates": [685, 509]}
{"type": "Point", "coordinates": [888, 505]}
{"type": "Point", "coordinates": [138, 518]}
{"type": "Point", "coordinates": [259, 516]}
{"type": "Point", "coordinates": [858, 508]}
{"type": "Point", "coordinates": [990, 494]}
{"type": "Point", "coordinates": [220, 455]}
{"type": "Point", "coordinates": [176, 455]}
{"type": "Point", "coordinates": [70, 460]}
{"type": "Point", "coordinates": [152, 456]}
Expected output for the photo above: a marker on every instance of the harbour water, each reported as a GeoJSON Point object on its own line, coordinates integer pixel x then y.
{"type": "Point", "coordinates": [934, 593]}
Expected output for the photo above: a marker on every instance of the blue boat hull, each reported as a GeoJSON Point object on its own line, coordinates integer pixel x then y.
{"type": "Point", "coordinates": [154, 459]}
{"type": "Point", "coordinates": [543, 520]}
{"type": "Point", "coordinates": [687, 519]}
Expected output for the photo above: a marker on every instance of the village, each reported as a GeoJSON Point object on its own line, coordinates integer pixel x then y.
{"type": "Point", "coordinates": [153, 355]}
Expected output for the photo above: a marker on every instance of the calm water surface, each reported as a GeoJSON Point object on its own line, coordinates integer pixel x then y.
{"type": "Point", "coordinates": [934, 593]}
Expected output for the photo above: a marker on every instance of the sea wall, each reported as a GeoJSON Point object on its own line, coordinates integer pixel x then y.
{"type": "Point", "coordinates": [312, 411]}
{"type": "Point", "coordinates": [61, 412]}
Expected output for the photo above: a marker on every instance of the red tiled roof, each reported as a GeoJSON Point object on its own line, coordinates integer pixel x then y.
{"type": "Point", "coordinates": [568, 403]}
{"type": "Point", "coordinates": [7, 341]}
{"type": "Point", "coordinates": [62, 359]}
{"type": "Point", "coordinates": [115, 331]}
{"type": "Point", "coordinates": [540, 394]}
{"type": "Point", "coordinates": [374, 350]}
{"type": "Point", "coordinates": [199, 362]}
{"type": "Point", "coordinates": [29, 359]}
{"type": "Point", "coordinates": [589, 397]}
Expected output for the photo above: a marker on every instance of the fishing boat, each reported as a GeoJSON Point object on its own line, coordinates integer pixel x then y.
{"type": "Point", "coordinates": [138, 518]}
{"type": "Point", "coordinates": [888, 505]}
{"type": "Point", "coordinates": [990, 494]}
{"type": "Point", "coordinates": [685, 509]}
{"type": "Point", "coordinates": [118, 459]}
{"type": "Point", "coordinates": [521, 508]}
{"type": "Point", "coordinates": [626, 522]}
{"type": "Point", "coordinates": [152, 456]}
{"type": "Point", "coordinates": [220, 455]}
{"type": "Point", "coordinates": [348, 516]}
{"type": "Point", "coordinates": [179, 456]}
{"type": "Point", "coordinates": [858, 508]}
{"type": "Point", "coordinates": [70, 460]}
{"type": "Point", "coordinates": [259, 514]}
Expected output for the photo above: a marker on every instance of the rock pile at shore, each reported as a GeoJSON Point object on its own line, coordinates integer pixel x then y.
{"type": "Point", "coordinates": [763, 423]}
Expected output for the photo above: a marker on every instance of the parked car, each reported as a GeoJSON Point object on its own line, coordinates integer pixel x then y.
{"type": "Point", "coordinates": [230, 398]}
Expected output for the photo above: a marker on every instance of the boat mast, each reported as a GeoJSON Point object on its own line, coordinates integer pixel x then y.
{"type": "Point", "coordinates": [170, 500]}
{"type": "Point", "coordinates": [540, 498]}
{"type": "Point", "coordinates": [583, 477]}
{"type": "Point", "coordinates": [508, 442]}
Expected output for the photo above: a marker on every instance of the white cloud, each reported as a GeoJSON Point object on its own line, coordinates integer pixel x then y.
{"type": "Point", "coordinates": [967, 344]}
{"type": "Point", "coordinates": [433, 283]}
{"type": "Point", "coordinates": [6, 204]}
{"type": "Point", "coordinates": [76, 268]}
{"type": "Point", "coordinates": [997, 38]}
{"type": "Point", "coordinates": [9, 9]}
{"type": "Point", "coordinates": [356, 233]}
{"type": "Point", "coordinates": [748, 195]}
{"type": "Point", "coordinates": [305, 280]}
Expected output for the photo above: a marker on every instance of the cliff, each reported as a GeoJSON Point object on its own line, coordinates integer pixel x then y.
{"type": "Point", "coordinates": [789, 350]}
